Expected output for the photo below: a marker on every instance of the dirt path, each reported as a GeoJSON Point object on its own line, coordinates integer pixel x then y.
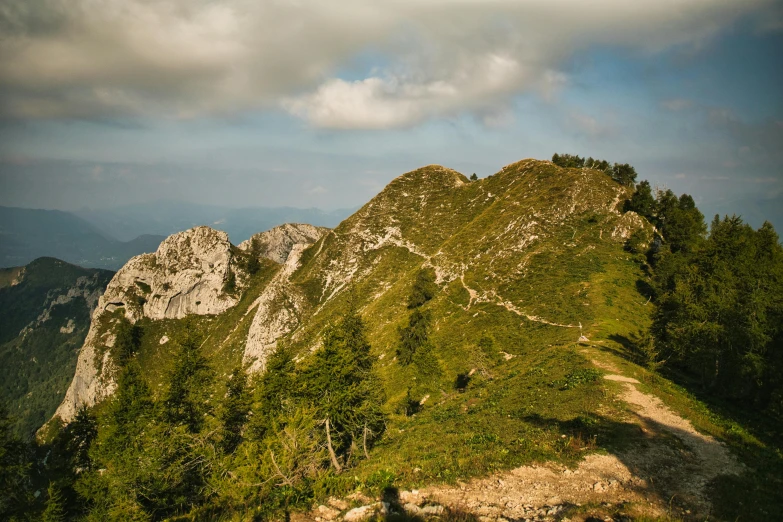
{"type": "Point", "coordinates": [656, 475]}
{"type": "Point", "coordinates": [665, 472]}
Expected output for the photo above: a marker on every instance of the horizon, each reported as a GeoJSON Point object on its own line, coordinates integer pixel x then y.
{"type": "Point", "coordinates": [196, 103]}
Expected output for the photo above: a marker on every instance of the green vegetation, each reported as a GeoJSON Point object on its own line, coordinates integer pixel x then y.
{"type": "Point", "coordinates": [40, 339]}
{"type": "Point", "coordinates": [622, 173]}
{"type": "Point", "coordinates": [437, 382]}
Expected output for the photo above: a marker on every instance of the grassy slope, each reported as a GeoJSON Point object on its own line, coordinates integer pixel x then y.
{"type": "Point", "coordinates": [515, 411]}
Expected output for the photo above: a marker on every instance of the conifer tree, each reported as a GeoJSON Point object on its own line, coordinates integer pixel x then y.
{"type": "Point", "coordinates": [127, 340]}
{"type": "Point", "coordinates": [412, 336]}
{"type": "Point", "coordinates": [424, 288]}
{"type": "Point", "coordinates": [14, 468]}
{"type": "Point", "coordinates": [188, 383]}
{"type": "Point", "coordinates": [253, 264]}
{"type": "Point", "coordinates": [55, 511]}
{"type": "Point", "coordinates": [233, 414]}
{"type": "Point", "coordinates": [273, 390]}
{"type": "Point", "coordinates": [340, 385]}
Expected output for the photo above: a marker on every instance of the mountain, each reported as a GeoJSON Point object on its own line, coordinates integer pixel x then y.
{"type": "Point", "coordinates": [26, 234]}
{"type": "Point", "coordinates": [168, 217]}
{"type": "Point", "coordinates": [186, 276]}
{"type": "Point", "coordinates": [45, 310]}
{"type": "Point", "coordinates": [455, 349]}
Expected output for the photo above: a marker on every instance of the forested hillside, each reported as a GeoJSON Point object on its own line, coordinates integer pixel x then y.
{"type": "Point", "coordinates": [45, 310]}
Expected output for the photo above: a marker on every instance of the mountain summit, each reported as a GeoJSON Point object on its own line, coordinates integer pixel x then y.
{"type": "Point", "coordinates": [450, 329]}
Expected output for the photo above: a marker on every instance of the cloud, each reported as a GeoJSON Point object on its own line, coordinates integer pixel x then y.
{"type": "Point", "coordinates": [317, 191]}
{"type": "Point", "coordinates": [589, 125]}
{"type": "Point", "coordinates": [676, 105]}
{"type": "Point", "coordinates": [187, 59]}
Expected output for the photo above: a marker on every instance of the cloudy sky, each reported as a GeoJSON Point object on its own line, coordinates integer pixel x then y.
{"type": "Point", "coordinates": [312, 103]}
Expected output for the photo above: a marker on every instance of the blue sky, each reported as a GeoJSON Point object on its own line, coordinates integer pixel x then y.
{"type": "Point", "coordinates": [302, 104]}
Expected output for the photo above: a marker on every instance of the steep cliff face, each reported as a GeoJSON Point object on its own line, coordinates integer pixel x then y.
{"type": "Point", "coordinates": [275, 244]}
{"type": "Point", "coordinates": [281, 304]}
{"type": "Point", "coordinates": [187, 275]}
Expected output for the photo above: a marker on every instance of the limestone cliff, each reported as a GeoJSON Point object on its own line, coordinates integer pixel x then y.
{"type": "Point", "coordinates": [186, 275]}
{"type": "Point", "coordinates": [281, 304]}
{"type": "Point", "coordinates": [277, 243]}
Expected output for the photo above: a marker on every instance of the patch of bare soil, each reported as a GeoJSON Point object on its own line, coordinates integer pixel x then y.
{"type": "Point", "coordinates": [666, 472]}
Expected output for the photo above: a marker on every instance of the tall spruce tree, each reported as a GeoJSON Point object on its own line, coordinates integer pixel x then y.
{"type": "Point", "coordinates": [339, 383]}
{"type": "Point", "coordinates": [234, 410]}
{"type": "Point", "coordinates": [185, 402]}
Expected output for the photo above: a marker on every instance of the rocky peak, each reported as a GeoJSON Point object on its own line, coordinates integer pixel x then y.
{"type": "Point", "coordinates": [186, 275]}
{"type": "Point", "coordinates": [276, 244]}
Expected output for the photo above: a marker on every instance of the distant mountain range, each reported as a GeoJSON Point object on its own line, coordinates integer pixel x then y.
{"type": "Point", "coordinates": [169, 217]}
{"type": "Point", "coordinates": [109, 238]}
{"type": "Point", "coordinates": [27, 234]}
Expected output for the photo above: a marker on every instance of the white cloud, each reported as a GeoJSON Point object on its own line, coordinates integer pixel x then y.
{"type": "Point", "coordinates": [676, 104]}
{"type": "Point", "coordinates": [185, 59]}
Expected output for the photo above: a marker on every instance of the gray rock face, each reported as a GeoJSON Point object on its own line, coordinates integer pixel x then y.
{"type": "Point", "coordinates": [185, 276]}
{"type": "Point", "coordinates": [278, 307]}
{"type": "Point", "coordinates": [276, 244]}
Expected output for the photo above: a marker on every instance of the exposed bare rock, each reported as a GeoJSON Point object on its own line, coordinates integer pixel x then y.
{"type": "Point", "coordinates": [185, 276]}
{"type": "Point", "coordinates": [277, 313]}
{"type": "Point", "coordinates": [276, 243]}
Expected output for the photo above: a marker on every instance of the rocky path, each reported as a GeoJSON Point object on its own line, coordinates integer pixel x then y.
{"type": "Point", "coordinates": [657, 477]}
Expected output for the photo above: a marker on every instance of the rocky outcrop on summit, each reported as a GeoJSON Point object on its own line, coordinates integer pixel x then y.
{"type": "Point", "coordinates": [276, 244]}
{"type": "Point", "coordinates": [186, 275]}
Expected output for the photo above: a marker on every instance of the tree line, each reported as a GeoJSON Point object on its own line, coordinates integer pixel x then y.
{"type": "Point", "coordinates": [717, 291]}
{"type": "Point", "coordinates": [622, 173]}
{"type": "Point", "coordinates": [718, 295]}
{"type": "Point", "coordinates": [201, 447]}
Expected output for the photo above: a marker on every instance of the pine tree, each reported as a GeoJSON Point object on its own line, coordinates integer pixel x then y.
{"type": "Point", "coordinates": [254, 265]}
{"type": "Point", "coordinates": [55, 511]}
{"type": "Point", "coordinates": [15, 463]}
{"type": "Point", "coordinates": [188, 383]}
{"type": "Point", "coordinates": [412, 336]}
{"type": "Point", "coordinates": [234, 411]}
{"type": "Point", "coordinates": [642, 201]}
{"type": "Point", "coordinates": [424, 288]}
{"type": "Point", "coordinates": [127, 341]}
{"type": "Point", "coordinates": [80, 434]}
{"type": "Point", "coordinates": [339, 383]}
{"type": "Point", "coordinates": [274, 388]}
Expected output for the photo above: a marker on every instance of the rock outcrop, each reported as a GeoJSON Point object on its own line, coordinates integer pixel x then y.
{"type": "Point", "coordinates": [186, 275]}
{"type": "Point", "coordinates": [280, 305]}
{"type": "Point", "coordinates": [277, 243]}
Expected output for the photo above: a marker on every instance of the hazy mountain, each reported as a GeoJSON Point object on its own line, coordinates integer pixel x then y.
{"type": "Point", "coordinates": [27, 234]}
{"type": "Point", "coordinates": [168, 217]}
{"type": "Point", "coordinates": [45, 310]}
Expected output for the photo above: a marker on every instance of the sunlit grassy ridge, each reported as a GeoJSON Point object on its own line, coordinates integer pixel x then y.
{"type": "Point", "coordinates": [525, 261]}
